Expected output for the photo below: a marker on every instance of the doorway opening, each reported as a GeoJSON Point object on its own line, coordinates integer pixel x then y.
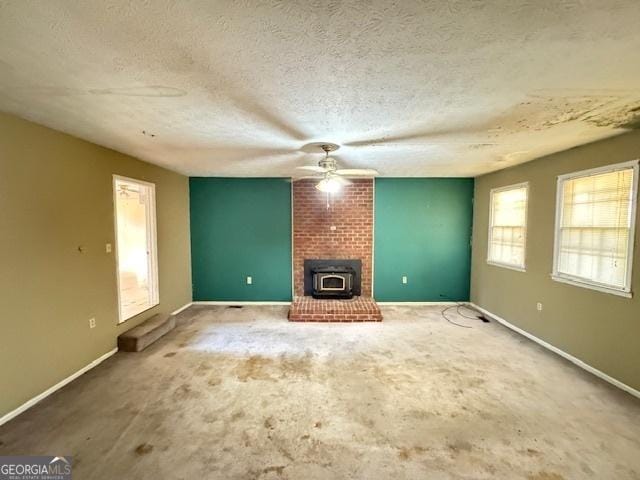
{"type": "Point", "coordinates": [136, 246]}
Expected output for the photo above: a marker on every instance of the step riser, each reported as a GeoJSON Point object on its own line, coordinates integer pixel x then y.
{"type": "Point", "coordinates": [131, 342]}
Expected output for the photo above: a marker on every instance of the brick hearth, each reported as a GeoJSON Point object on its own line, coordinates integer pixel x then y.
{"type": "Point", "coordinates": [357, 309]}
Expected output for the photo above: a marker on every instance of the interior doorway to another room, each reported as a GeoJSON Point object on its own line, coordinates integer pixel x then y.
{"type": "Point", "coordinates": [136, 246]}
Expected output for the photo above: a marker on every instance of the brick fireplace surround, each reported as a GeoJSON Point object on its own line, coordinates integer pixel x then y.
{"type": "Point", "coordinates": [344, 230]}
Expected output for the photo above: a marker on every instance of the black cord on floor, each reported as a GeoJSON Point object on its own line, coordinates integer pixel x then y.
{"type": "Point", "coordinates": [474, 317]}
{"type": "Point", "coordinates": [444, 315]}
{"type": "Point", "coordinates": [459, 305]}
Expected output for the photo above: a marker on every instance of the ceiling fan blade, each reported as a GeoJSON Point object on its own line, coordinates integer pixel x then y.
{"type": "Point", "coordinates": [342, 180]}
{"type": "Point", "coordinates": [246, 100]}
{"type": "Point", "coordinates": [357, 172]}
{"type": "Point", "coordinates": [297, 179]}
{"type": "Point", "coordinates": [433, 133]}
{"type": "Point", "coordinates": [253, 107]}
{"type": "Point", "coordinates": [392, 139]}
{"type": "Point", "coordinates": [248, 160]}
{"type": "Point", "coordinates": [231, 164]}
{"type": "Point", "coordinates": [312, 168]}
{"type": "Point", "coordinates": [225, 153]}
{"type": "Point", "coordinates": [241, 153]}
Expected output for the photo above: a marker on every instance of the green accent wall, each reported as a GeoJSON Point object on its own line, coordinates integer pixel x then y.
{"type": "Point", "coordinates": [422, 230]}
{"type": "Point", "coordinates": [241, 227]}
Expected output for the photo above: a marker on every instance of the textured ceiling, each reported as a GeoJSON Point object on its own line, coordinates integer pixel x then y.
{"type": "Point", "coordinates": [427, 88]}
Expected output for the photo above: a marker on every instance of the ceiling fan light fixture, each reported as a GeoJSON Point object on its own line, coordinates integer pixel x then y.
{"type": "Point", "coordinates": [329, 185]}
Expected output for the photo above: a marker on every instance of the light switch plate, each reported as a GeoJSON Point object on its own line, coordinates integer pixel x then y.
{"type": "Point", "coordinates": [249, 280]}
{"type": "Point", "coordinates": [404, 280]}
{"type": "Point", "coordinates": [107, 248]}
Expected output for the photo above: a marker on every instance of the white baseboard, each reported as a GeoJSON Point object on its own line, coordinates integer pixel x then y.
{"type": "Point", "coordinates": [289, 303]}
{"type": "Point", "coordinates": [184, 307]}
{"type": "Point", "coordinates": [425, 304]}
{"type": "Point", "coordinates": [562, 353]}
{"type": "Point", "coordinates": [30, 403]}
{"type": "Point", "coordinates": [243, 303]}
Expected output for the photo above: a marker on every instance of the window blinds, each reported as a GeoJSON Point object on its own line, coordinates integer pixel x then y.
{"type": "Point", "coordinates": [507, 231]}
{"type": "Point", "coordinates": [595, 228]}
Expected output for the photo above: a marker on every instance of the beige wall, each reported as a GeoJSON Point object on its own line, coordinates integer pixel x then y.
{"type": "Point", "coordinates": [56, 194]}
{"type": "Point", "coordinates": [600, 329]}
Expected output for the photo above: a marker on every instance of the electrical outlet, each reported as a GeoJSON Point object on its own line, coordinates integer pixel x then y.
{"type": "Point", "coordinates": [249, 281]}
{"type": "Point", "coordinates": [539, 306]}
{"type": "Point", "coordinates": [404, 280]}
{"type": "Point", "coordinates": [92, 323]}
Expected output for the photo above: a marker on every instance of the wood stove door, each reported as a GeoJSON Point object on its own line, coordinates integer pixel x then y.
{"type": "Point", "coordinates": [332, 283]}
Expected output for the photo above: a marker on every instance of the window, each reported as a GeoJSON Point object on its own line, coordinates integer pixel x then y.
{"type": "Point", "coordinates": [136, 253]}
{"type": "Point", "coordinates": [595, 224]}
{"type": "Point", "coordinates": [508, 226]}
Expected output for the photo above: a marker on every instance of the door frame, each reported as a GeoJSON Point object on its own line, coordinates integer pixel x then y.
{"type": "Point", "coordinates": [152, 241]}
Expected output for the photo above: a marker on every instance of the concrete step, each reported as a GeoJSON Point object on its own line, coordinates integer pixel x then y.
{"type": "Point", "coordinates": [140, 337]}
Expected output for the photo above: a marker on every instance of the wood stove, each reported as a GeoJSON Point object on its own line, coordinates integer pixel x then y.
{"type": "Point", "coordinates": [333, 282]}
{"type": "Point", "coordinates": [332, 278]}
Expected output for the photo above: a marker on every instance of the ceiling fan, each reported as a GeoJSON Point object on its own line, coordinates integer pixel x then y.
{"type": "Point", "coordinates": [331, 177]}
{"type": "Point", "coordinates": [127, 190]}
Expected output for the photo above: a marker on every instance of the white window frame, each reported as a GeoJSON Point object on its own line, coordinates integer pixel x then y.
{"type": "Point", "coordinates": [625, 291]}
{"type": "Point", "coordinates": [152, 233]}
{"type": "Point", "coordinates": [518, 268]}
